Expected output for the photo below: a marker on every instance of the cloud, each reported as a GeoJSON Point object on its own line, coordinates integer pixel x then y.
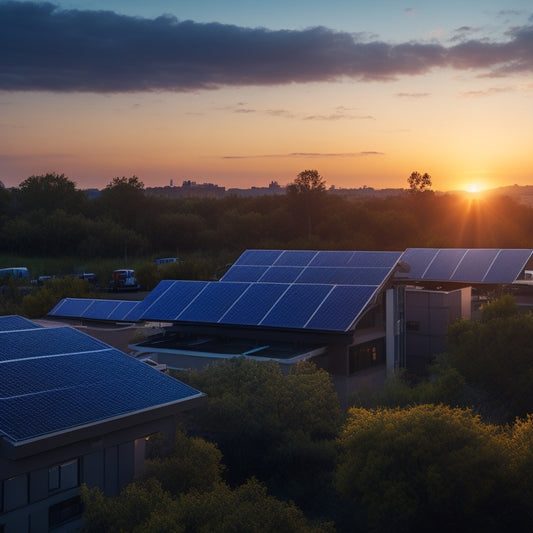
{"type": "Point", "coordinates": [306, 155]}
{"type": "Point", "coordinates": [412, 95]}
{"type": "Point", "coordinates": [52, 49]}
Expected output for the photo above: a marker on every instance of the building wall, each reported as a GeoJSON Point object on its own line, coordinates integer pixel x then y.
{"type": "Point", "coordinates": [427, 317]}
{"type": "Point", "coordinates": [41, 493]}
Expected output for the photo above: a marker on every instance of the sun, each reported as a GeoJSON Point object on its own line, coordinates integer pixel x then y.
{"type": "Point", "coordinates": [473, 188]}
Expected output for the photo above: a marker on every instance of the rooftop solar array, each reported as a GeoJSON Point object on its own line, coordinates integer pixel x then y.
{"type": "Point", "coordinates": [97, 309]}
{"type": "Point", "coordinates": [299, 289]}
{"type": "Point", "coordinates": [14, 322]}
{"type": "Point", "coordinates": [56, 379]}
{"type": "Point", "coordinates": [466, 265]}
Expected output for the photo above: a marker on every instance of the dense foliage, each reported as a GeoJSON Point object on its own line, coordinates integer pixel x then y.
{"type": "Point", "coordinates": [48, 215]}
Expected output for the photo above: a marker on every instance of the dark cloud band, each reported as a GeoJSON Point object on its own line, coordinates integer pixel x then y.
{"type": "Point", "coordinates": [45, 48]}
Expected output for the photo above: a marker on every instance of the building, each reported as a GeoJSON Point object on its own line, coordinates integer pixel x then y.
{"type": "Point", "coordinates": [359, 315]}
{"type": "Point", "coordinates": [73, 410]}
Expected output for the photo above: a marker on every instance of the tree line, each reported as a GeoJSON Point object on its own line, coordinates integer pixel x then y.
{"type": "Point", "coordinates": [48, 215]}
{"type": "Point", "coordinates": [274, 452]}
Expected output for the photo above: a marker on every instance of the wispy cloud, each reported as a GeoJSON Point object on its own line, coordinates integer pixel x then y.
{"type": "Point", "coordinates": [311, 155]}
{"type": "Point", "coordinates": [412, 95]}
{"type": "Point", "coordinates": [51, 49]}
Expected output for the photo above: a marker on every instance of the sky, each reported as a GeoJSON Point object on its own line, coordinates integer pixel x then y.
{"type": "Point", "coordinates": [241, 92]}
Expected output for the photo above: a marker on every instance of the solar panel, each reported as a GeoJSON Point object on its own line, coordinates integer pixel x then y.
{"type": "Point", "coordinates": [296, 306]}
{"type": "Point", "coordinates": [172, 302]}
{"type": "Point", "coordinates": [71, 307]}
{"type": "Point", "coordinates": [295, 258]}
{"type": "Point", "coordinates": [341, 308]}
{"type": "Point", "coordinates": [258, 257]}
{"type": "Point", "coordinates": [46, 387]}
{"type": "Point", "coordinates": [483, 265]}
{"type": "Point", "coordinates": [344, 275]}
{"type": "Point", "coordinates": [374, 259]}
{"type": "Point", "coordinates": [444, 264]}
{"type": "Point", "coordinates": [100, 309]}
{"type": "Point", "coordinates": [327, 258]}
{"type": "Point", "coordinates": [474, 265]}
{"type": "Point", "coordinates": [44, 342]}
{"type": "Point", "coordinates": [126, 310]}
{"type": "Point", "coordinates": [418, 260]}
{"type": "Point", "coordinates": [14, 322]}
{"type": "Point", "coordinates": [282, 274]}
{"type": "Point", "coordinates": [212, 302]}
{"type": "Point", "coordinates": [245, 273]}
{"type": "Point", "coordinates": [254, 304]}
{"type": "Point", "coordinates": [507, 266]}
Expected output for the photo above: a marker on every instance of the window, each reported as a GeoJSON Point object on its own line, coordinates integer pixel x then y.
{"type": "Point", "coordinates": [367, 355]}
{"type": "Point", "coordinates": [53, 478]}
{"type": "Point", "coordinates": [64, 476]}
{"type": "Point", "coordinates": [412, 325]}
{"type": "Point", "coordinates": [65, 511]}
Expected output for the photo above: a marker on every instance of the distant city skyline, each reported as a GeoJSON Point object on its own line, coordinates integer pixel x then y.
{"type": "Point", "coordinates": [240, 94]}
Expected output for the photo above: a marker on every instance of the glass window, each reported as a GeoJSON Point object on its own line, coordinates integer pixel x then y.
{"type": "Point", "coordinates": [53, 478]}
{"type": "Point", "coordinates": [65, 511]}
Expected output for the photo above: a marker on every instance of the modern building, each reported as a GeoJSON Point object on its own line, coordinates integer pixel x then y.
{"type": "Point", "coordinates": [73, 410]}
{"type": "Point", "coordinates": [357, 314]}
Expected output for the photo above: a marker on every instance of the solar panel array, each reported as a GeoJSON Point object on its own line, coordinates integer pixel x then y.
{"type": "Point", "coordinates": [466, 265]}
{"type": "Point", "coordinates": [97, 309]}
{"type": "Point", "coordinates": [55, 379]}
{"type": "Point", "coordinates": [275, 288]}
{"type": "Point", "coordinates": [14, 322]}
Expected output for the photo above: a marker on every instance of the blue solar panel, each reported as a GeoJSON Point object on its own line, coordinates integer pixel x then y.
{"type": "Point", "coordinates": [174, 300]}
{"type": "Point", "coordinates": [71, 307]}
{"type": "Point", "coordinates": [14, 322]}
{"type": "Point", "coordinates": [444, 264]}
{"type": "Point", "coordinates": [341, 308]}
{"type": "Point", "coordinates": [100, 309]}
{"type": "Point", "coordinates": [331, 259]}
{"type": "Point", "coordinates": [374, 259]}
{"type": "Point", "coordinates": [212, 302]}
{"type": "Point", "coordinates": [246, 273]}
{"type": "Point", "coordinates": [282, 274]}
{"type": "Point", "coordinates": [296, 306]}
{"type": "Point", "coordinates": [344, 275]}
{"type": "Point", "coordinates": [254, 304]}
{"type": "Point", "coordinates": [45, 341]}
{"type": "Point", "coordinates": [126, 310]}
{"type": "Point", "coordinates": [507, 266]}
{"type": "Point", "coordinates": [418, 260]}
{"type": "Point", "coordinates": [258, 257]}
{"type": "Point", "coordinates": [49, 394]}
{"type": "Point", "coordinates": [295, 258]}
{"type": "Point", "coordinates": [474, 265]}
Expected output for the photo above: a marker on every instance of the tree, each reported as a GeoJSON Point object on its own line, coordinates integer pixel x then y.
{"type": "Point", "coordinates": [272, 425]}
{"type": "Point", "coordinates": [419, 182]}
{"type": "Point", "coordinates": [306, 193]}
{"type": "Point", "coordinates": [495, 355]}
{"type": "Point", "coordinates": [50, 192]}
{"type": "Point", "coordinates": [424, 468]}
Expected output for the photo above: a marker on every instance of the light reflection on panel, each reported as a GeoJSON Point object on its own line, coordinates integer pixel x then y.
{"type": "Point", "coordinates": [71, 307]}
{"type": "Point", "coordinates": [374, 259]}
{"type": "Point", "coordinates": [474, 265]}
{"type": "Point", "coordinates": [507, 266]}
{"type": "Point", "coordinates": [444, 264]}
{"type": "Point", "coordinates": [331, 259]}
{"type": "Point", "coordinates": [418, 260]}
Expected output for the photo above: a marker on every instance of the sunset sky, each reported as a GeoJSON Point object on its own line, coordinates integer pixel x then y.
{"type": "Point", "coordinates": [242, 92]}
